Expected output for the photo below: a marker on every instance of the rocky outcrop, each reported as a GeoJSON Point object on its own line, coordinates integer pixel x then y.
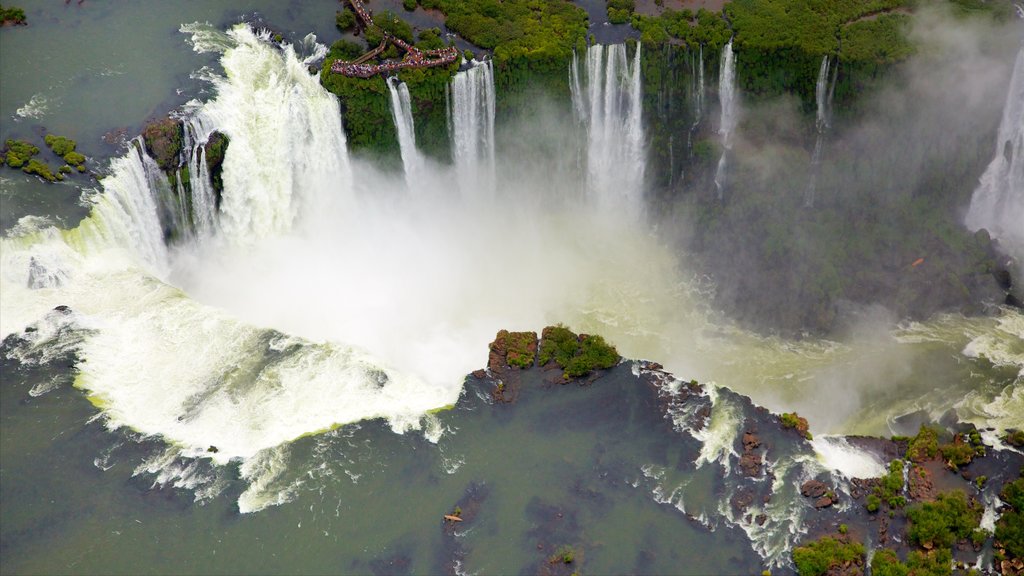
{"type": "Point", "coordinates": [163, 139]}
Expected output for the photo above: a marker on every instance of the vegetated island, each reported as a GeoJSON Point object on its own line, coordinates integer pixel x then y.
{"type": "Point", "coordinates": [12, 16]}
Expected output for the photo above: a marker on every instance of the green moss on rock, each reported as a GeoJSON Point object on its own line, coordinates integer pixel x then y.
{"type": "Point", "coordinates": [163, 140]}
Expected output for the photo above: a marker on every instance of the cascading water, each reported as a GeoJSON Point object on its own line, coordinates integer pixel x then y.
{"type": "Point", "coordinates": [280, 122]}
{"type": "Point", "coordinates": [615, 134]}
{"type": "Point", "coordinates": [823, 91]}
{"type": "Point", "coordinates": [401, 112]}
{"type": "Point", "coordinates": [471, 126]}
{"type": "Point", "coordinates": [727, 98]}
{"type": "Point", "coordinates": [998, 202]}
{"type": "Point", "coordinates": [697, 97]}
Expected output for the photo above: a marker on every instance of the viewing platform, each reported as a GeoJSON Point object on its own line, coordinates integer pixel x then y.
{"type": "Point", "coordinates": [413, 58]}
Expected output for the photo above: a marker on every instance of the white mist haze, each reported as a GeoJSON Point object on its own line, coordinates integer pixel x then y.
{"type": "Point", "coordinates": [335, 293]}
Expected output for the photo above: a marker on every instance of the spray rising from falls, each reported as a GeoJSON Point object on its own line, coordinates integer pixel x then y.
{"type": "Point", "coordinates": [615, 134]}
{"type": "Point", "coordinates": [727, 98]}
{"type": "Point", "coordinates": [471, 126]}
{"type": "Point", "coordinates": [998, 201]}
{"type": "Point", "coordinates": [823, 91]}
{"type": "Point", "coordinates": [401, 112]}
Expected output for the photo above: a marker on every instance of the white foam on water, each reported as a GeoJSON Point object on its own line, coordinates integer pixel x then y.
{"type": "Point", "coordinates": [835, 453]}
{"type": "Point", "coordinates": [719, 435]}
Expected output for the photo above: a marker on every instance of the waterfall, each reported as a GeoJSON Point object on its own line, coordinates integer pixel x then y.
{"type": "Point", "coordinates": [615, 136]}
{"type": "Point", "coordinates": [578, 106]}
{"type": "Point", "coordinates": [401, 112]}
{"type": "Point", "coordinates": [697, 91]}
{"type": "Point", "coordinates": [128, 211]}
{"type": "Point", "coordinates": [471, 126]}
{"type": "Point", "coordinates": [287, 151]}
{"type": "Point", "coordinates": [727, 98]}
{"type": "Point", "coordinates": [203, 199]}
{"type": "Point", "coordinates": [822, 123]}
{"type": "Point", "coordinates": [998, 202]}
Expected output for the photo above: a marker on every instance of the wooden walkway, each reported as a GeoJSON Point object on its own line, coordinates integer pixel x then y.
{"type": "Point", "coordinates": [413, 58]}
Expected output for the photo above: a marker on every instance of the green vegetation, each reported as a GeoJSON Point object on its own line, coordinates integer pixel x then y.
{"type": "Point", "coordinates": [163, 140]}
{"type": "Point", "coordinates": [934, 563]}
{"type": "Point", "coordinates": [576, 355]}
{"type": "Point", "coordinates": [1015, 438]}
{"type": "Point", "coordinates": [65, 148]}
{"type": "Point", "coordinates": [924, 446]}
{"type": "Point", "coordinates": [1010, 528]}
{"type": "Point", "coordinates": [519, 347]}
{"type": "Point", "coordinates": [13, 16]}
{"type": "Point", "coordinates": [880, 40]}
{"type": "Point", "coordinates": [345, 20]}
{"type": "Point", "coordinates": [524, 34]}
{"type": "Point", "coordinates": [951, 518]}
{"type": "Point", "coordinates": [888, 489]}
{"type": "Point", "coordinates": [820, 556]}
{"type": "Point", "coordinates": [620, 11]}
{"type": "Point", "coordinates": [564, 555]}
{"type": "Point", "coordinates": [42, 170]}
{"type": "Point", "coordinates": [388, 21]}
{"type": "Point", "coordinates": [959, 453]}
{"type": "Point", "coordinates": [692, 30]}
{"type": "Point", "coordinates": [794, 421]}
{"type": "Point", "coordinates": [215, 149]}
{"type": "Point", "coordinates": [18, 152]}
{"type": "Point", "coordinates": [886, 563]}
{"type": "Point", "coordinates": [811, 26]}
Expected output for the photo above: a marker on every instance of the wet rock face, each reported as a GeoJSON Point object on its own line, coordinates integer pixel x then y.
{"type": "Point", "coordinates": [813, 489]}
{"type": "Point", "coordinates": [163, 140]}
{"type": "Point", "coordinates": [752, 459]}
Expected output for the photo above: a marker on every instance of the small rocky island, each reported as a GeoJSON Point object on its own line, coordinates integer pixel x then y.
{"type": "Point", "coordinates": [949, 500]}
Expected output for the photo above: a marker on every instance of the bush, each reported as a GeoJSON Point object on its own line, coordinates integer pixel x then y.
{"type": "Point", "coordinates": [60, 145]}
{"type": "Point", "coordinates": [345, 20]}
{"type": "Point", "coordinates": [886, 563]}
{"type": "Point", "coordinates": [576, 355]}
{"type": "Point", "coordinates": [797, 422]}
{"type": "Point", "coordinates": [409, 5]}
{"type": "Point", "coordinates": [388, 21]}
{"type": "Point", "coordinates": [873, 503]}
{"type": "Point", "coordinates": [822, 555]}
{"type": "Point", "coordinates": [1010, 528]}
{"type": "Point", "coordinates": [934, 563]}
{"type": "Point", "coordinates": [12, 16]}
{"type": "Point", "coordinates": [1015, 438]}
{"type": "Point", "coordinates": [889, 488]}
{"type": "Point", "coordinates": [941, 523]}
{"type": "Point", "coordinates": [18, 152]}
{"type": "Point", "coordinates": [957, 453]}
{"type": "Point", "coordinates": [74, 158]}
{"type": "Point", "coordinates": [924, 446]}
{"type": "Point", "coordinates": [41, 169]}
